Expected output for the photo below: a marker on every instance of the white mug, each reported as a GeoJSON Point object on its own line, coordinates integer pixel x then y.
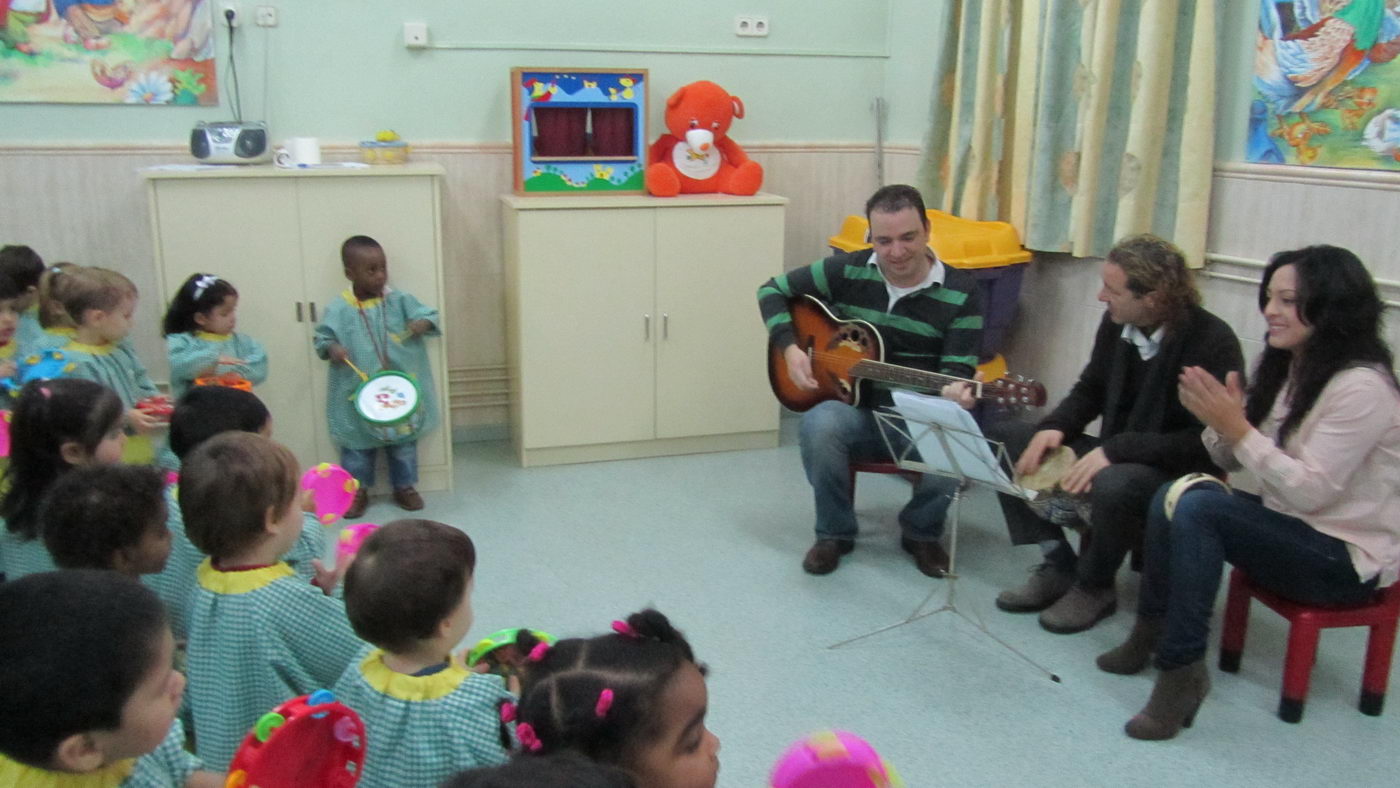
{"type": "Point", "coordinates": [298, 152]}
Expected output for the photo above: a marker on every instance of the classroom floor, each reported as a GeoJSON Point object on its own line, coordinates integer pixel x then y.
{"type": "Point", "coordinates": [715, 541]}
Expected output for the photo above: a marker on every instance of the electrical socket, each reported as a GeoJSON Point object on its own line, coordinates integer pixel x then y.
{"type": "Point", "coordinates": [750, 26]}
{"type": "Point", "coordinates": [224, 10]}
{"type": "Point", "coordinates": [415, 35]}
{"type": "Point", "coordinates": [265, 16]}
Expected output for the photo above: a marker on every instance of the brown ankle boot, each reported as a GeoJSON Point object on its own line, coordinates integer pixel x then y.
{"type": "Point", "coordinates": [1134, 653]}
{"type": "Point", "coordinates": [1176, 697]}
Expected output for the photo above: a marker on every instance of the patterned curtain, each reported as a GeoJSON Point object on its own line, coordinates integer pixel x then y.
{"type": "Point", "coordinates": [1079, 121]}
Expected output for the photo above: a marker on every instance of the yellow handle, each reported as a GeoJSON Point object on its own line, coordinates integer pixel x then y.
{"type": "Point", "coordinates": [351, 364]}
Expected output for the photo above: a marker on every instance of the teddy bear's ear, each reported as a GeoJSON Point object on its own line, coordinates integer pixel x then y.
{"type": "Point", "coordinates": [676, 97]}
{"type": "Point", "coordinates": [738, 106]}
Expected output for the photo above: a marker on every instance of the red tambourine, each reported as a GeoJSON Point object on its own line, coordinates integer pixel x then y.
{"type": "Point", "coordinates": [313, 741]}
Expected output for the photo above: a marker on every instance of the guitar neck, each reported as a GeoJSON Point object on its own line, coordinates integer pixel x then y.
{"type": "Point", "coordinates": [918, 378]}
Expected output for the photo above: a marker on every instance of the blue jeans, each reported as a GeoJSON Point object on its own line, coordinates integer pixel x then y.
{"type": "Point", "coordinates": [403, 464]}
{"type": "Point", "coordinates": [832, 436]}
{"type": "Point", "coordinates": [1185, 557]}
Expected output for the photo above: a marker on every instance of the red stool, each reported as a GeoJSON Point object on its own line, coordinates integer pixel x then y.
{"type": "Point", "coordinates": [1305, 625]}
{"type": "Point", "coordinates": [881, 467]}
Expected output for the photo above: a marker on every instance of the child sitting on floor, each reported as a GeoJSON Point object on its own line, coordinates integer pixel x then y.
{"type": "Point", "coordinates": [200, 340]}
{"type": "Point", "coordinates": [23, 267]}
{"type": "Point", "coordinates": [87, 692]}
{"type": "Point", "coordinates": [258, 634]}
{"type": "Point", "coordinates": [107, 517]}
{"type": "Point", "coordinates": [409, 592]}
{"type": "Point", "coordinates": [635, 699]}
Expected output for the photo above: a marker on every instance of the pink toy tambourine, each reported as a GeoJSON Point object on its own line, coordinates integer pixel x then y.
{"type": "Point", "coordinates": [351, 537]}
{"type": "Point", "coordinates": [4, 433]}
{"type": "Point", "coordinates": [833, 759]}
{"type": "Point", "coordinates": [333, 490]}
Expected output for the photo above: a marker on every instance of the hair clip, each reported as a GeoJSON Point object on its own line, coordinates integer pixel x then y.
{"type": "Point", "coordinates": [203, 283]}
{"type": "Point", "coordinates": [625, 629]}
{"type": "Point", "coordinates": [525, 732]}
{"type": "Point", "coordinates": [507, 712]}
{"type": "Point", "coordinates": [55, 270]}
{"type": "Point", "coordinates": [605, 701]}
{"type": "Point", "coordinates": [537, 653]}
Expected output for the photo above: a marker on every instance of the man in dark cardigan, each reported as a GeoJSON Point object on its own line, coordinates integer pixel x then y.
{"type": "Point", "coordinates": [1153, 327]}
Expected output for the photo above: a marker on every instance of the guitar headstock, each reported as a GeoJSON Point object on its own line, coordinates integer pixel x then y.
{"type": "Point", "coordinates": [1014, 391]}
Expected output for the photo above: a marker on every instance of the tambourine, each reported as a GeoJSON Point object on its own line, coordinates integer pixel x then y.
{"type": "Point", "coordinates": [499, 652]}
{"type": "Point", "coordinates": [388, 402]}
{"type": "Point", "coordinates": [332, 490]}
{"type": "Point", "coordinates": [1051, 502]}
{"type": "Point", "coordinates": [230, 380]}
{"type": "Point", "coordinates": [313, 741]}
{"type": "Point", "coordinates": [1188, 482]}
{"type": "Point", "coordinates": [44, 365]}
{"type": "Point", "coordinates": [833, 759]}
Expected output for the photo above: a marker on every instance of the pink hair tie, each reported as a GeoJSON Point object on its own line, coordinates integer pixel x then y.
{"type": "Point", "coordinates": [525, 732]}
{"type": "Point", "coordinates": [625, 629]}
{"type": "Point", "coordinates": [605, 701]}
{"type": "Point", "coordinates": [537, 653]}
{"type": "Point", "coordinates": [507, 712]}
{"type": "Point", "coordinates": [45, 391]}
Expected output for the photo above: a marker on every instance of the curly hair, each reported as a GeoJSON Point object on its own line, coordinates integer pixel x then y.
{"type": "Point", "coordinates": [1155, 265]}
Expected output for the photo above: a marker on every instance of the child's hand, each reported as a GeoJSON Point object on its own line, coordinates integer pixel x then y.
{"type": "Point", "coordinates": [338, 354]}
{"type": "Point", "coordinates": [420, 327]}
{"type": "Point", "coordinates": [142, 421]}
{"type": "Point", "coordinates": [308, 501]}
{"type": "Point", "coordinates": [328, 579]}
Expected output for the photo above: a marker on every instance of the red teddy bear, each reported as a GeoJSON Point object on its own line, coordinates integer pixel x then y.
{"type": "Point", "coordinates": [697, 156]}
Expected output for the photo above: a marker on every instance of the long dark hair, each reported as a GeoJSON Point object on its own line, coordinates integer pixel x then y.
{"type": "Point", "coordinates": [1337, 298]}
{"type": "Point", "coordinates": [48, 414]}
{"type": "Point", "coordinates": [199, 294]}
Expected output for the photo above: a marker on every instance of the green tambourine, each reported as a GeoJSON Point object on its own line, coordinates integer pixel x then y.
{"type": "Point", "coordinates": [502, 639]}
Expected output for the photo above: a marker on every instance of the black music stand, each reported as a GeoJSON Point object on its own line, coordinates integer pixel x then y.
{"type": "Point", "coordinates": [949, 443]}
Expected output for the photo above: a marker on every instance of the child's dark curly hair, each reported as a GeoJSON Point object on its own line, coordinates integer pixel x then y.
{"type": "Point", "coordinates": [563, 689]}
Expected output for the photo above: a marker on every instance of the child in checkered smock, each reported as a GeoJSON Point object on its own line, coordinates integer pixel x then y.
{"type": "Point", "coordinates": [23, 266]}
{"type": "Point", "coordinates": [258, 634]}
{"type": "Point", "coordinates": [200, 340]}
{"type": "Point", "coordinates": [91, 703]}
{"type": "Point", "coordinates": [426, 716]}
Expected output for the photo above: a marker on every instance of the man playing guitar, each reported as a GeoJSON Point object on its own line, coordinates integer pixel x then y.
{"type": "Point", "coordinates": [929, 317]}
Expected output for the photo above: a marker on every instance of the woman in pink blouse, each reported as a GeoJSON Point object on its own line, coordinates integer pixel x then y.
{"type": "Point", "coordinates": [1317, 435]}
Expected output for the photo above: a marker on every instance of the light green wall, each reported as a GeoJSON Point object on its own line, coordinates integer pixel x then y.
{"type": "Point", "coordinates": [339, 71]}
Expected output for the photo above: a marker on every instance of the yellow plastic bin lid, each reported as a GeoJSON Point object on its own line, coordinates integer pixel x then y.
{"type": "Point", "coordinates": [961, 243]}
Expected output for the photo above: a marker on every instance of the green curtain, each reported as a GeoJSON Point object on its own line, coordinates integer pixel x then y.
{"type": "Point", "coordinates": [1079, 121]}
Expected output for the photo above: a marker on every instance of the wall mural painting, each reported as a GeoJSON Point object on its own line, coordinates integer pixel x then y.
{"type": "Point", "coordinates": [1327, 84]}
{"type": "Point", "coordinates": [108, 52]}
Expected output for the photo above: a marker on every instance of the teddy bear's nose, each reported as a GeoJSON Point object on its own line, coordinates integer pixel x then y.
{"type": "Point", "coordinates": [700, 139]}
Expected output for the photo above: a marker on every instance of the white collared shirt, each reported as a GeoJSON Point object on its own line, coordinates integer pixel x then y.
{"type": "Point", "coordinates": [935, 276]}
{"type": "Point", "coordinates": [1147, 346]}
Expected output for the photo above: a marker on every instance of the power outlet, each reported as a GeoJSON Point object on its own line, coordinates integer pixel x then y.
{"type": "Point", "coordinates": [225, 9]}
{"type": "Point", "coordinates": [415, 35]}
{"type": "Point", "coordinates": [749, 26]}
{"type": "Point", "coordinates": [265, 16]}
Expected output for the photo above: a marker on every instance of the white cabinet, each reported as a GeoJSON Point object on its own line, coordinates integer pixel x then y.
{"type": "Point", "coordinates": [276, 235]}
{"type": "Point", "coordinates": [633, 324]}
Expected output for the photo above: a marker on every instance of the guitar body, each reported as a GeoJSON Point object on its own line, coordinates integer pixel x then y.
{"type": "Point", "coordinates": [834, 346]}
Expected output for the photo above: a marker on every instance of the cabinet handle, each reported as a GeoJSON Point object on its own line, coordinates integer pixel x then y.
{"type": "Point", "coordinates": [646, 328]}
{"type": "Point", "coordinates": [665, 326]}
{"type": "Point", "coordinates": [313, 311]}
{"type": "Point", "coordinates": [299, 312]}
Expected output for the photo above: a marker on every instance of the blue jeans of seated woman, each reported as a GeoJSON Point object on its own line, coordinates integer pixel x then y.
{"type": "Point", "coordinates": [1185, 557]}
{"type": "Point", "coordinates": [832, 436]}
{"type": "Point", "coordinates": [403, 464]}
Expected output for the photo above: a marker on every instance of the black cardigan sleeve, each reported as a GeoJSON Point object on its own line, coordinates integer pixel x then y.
{"type": "Point", "coordinates": [1085, 401]}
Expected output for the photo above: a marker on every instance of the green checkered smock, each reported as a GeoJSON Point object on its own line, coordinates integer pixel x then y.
{"type": "Point", "coordinates": [167, 766]}
{"type": "Point", "coordinates": [420, 730]}
{"type": "Point", "coordinates": [20, 557]}
{"type": "Point", "coordinates": [195, 353]}
{"type": "Point", "coordinates": [257, 638]}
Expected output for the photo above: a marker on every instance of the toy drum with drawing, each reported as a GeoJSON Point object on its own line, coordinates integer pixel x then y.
{"type": "Point", "coordinates": [1051, 502]}
{"type": "Point", "coordinates": [313, 741]}
{"type": "Point", "coordinates": [388, 402]}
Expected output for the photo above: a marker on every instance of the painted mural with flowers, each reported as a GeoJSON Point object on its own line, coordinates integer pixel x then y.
{"type": "Point", "coordinates": [108, 51]}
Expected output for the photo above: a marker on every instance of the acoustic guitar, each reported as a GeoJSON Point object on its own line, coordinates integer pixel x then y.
{"type": "Point", "coordinates": [846, 352]}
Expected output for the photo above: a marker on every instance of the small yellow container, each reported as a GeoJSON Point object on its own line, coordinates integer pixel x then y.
{"type": "Point", "coordinates": [374, 152]}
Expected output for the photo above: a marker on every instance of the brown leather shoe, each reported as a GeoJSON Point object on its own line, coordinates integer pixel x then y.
{"type": "Point", "coordinates": [930, 557]}
{"type": "Point", "coordinates": [358, 506]}
{"type": "Point", "coordinates": [408, 499]}
{"type": "Point", "coordinates": [825, 555]}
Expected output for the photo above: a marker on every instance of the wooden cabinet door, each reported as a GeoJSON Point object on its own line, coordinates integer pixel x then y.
{"type": "Point", "coordinates": [401, 213]}
{"type": "Point", "coordinates": [712, 374]}
{"type": "Point", "coordinates": [585, 339]}
{"type": "Point", "coordinates": [246, 230]}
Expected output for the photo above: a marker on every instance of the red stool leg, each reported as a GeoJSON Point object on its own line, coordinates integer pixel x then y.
{"type": "Point", "coordinates": [1297, 666]}
{"type": "Point", "coordinates": [1235, 624]}
{"type": "Point", "coordinates": [1379, 646]}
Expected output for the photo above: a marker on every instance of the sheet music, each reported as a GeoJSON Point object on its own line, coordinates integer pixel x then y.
{"type": "Point", "coordinates": [958, 448]}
